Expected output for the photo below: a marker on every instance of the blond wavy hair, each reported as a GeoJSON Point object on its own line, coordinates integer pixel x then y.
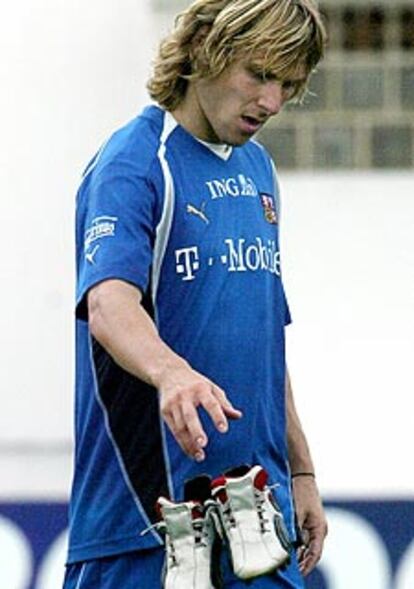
{"type": "Point", "coordinates": [278, 36]}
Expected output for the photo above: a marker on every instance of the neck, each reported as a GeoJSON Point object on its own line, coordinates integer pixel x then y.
{"type": "Point", "coordinates": [190, 116]}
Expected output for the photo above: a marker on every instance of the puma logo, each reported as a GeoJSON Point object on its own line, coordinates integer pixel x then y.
{"type": "Point", "coordinates": [91, 255]}
{"type": "Point", "coordinates": [192, 210]}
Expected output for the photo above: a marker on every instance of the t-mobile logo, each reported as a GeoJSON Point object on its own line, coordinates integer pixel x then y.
{"type": "Point", "coordinates": [187, 261]}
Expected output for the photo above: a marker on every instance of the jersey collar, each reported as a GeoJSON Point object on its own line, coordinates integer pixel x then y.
{"type": "Point", "coordinates": [221, 150]}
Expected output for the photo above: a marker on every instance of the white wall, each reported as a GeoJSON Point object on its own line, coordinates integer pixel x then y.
{"type": "Point", "coordinates": [349, 273]}
{"type": "Point", "coordinates": [70, 73]}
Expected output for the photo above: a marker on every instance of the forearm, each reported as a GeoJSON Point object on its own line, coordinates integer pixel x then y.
{"type": "Point", "coordinates": [121, 325]}
{"type": "Point", "coordinates": [308, 506]}
{"type": "Point", "coordinates": [300, 459]}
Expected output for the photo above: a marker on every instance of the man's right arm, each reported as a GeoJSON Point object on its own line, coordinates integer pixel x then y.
{"type": "Point", "coordinates": [121, 325]}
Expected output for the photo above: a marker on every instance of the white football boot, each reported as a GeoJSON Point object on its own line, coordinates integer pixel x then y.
{"type": "Point", "coordinates": [252, 523]}
{"type": "Point", "coordinates": [189, 536]}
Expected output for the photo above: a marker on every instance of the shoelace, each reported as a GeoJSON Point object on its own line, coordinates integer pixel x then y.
{"type": "Point", "coordinates": [171, 552]}
{"type": "Point", "coordinates": [200, 536]}
{"type": "Point", "coordinates": [159, 526]}
{"type": "Point", "coordinates": [260, 500]}
{"type": "Point", "coordinates": [198, 524]}
{"type": "Point", "coordinates": [260, 497]}
{"type": "Point", "coordinates": [228, 515]}
{"type": "Point", "coordinates": [200, 533]}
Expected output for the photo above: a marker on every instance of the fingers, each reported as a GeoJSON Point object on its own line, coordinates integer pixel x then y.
{"type": "Point", "coordinates": [311, 521]}
{"type": "Point", "coordinates": [192, 424]}
{"type": "Point", "coordinates": [215, 407]}
{"type": "Point", "coordinates": [180, 410]}
{"type": "Point", "coordinates": [191, 446]}
{"type": "Point", "coordinates": [214, 401]}
{"type": "Point", "coordinates": [228, 408]}
{"type": "Point", "coordinates": [310, 557]}
{"type": "Point", "coordinates": [310, 554]}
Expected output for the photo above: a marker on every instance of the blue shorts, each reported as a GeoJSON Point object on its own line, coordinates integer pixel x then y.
{"type": "Point", "coordinates": [143, 570]}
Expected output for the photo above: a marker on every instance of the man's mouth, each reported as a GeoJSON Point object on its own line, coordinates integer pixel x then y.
{"type": "Point", "coordinates": [251, 124]}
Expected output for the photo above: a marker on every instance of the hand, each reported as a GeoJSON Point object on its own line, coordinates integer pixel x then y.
{"type": "Point", "coordinates": [183, 390]}
{"type": "Point", "coordinates": [311, 521]}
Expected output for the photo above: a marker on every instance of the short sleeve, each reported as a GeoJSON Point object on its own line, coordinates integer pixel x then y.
{"type": "Point", "coordinates": [116, 218]}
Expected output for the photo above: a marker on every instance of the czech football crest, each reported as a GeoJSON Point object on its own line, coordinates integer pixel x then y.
{"type": "Point", "coordinates": [269, 208]}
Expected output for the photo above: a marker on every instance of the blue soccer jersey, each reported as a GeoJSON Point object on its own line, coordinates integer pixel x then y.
{"type": "Point", "coordinates": [195, 228]}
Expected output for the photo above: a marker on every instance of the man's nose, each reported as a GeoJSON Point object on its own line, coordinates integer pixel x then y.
{"type": "Point", "coordinates": [272, 98]}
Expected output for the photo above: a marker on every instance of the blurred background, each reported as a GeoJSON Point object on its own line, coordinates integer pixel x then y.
{"type": "Point", "coordinates": [70, 74]}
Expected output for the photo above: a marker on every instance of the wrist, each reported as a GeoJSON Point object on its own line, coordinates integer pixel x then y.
{"type": "Point", "coordinates": [166, 371]}
{"type": "Point", "coordinates": [303, 474]}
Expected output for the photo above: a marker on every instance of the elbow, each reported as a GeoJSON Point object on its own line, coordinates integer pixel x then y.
{"type": "Point", "coordinates": [96, 315]}
{"type": "Point", "coordinates": [111, 304]}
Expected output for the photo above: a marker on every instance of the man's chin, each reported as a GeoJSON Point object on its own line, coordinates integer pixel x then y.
{"type": "Point", "coordinates": [235, 139]}
{"type": "Point", "coordinates": [239, 141]}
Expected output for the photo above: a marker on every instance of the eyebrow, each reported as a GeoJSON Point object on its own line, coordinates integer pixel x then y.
{"type": "Point", "coordinates": [291, 80]}
{"type": "Point", "coordinates": [301, 80]}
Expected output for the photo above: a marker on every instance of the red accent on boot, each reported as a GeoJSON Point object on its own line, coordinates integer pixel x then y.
{"type": "Point", "coordinates": [261, 479]}
{"type": "Point", "coordinates": [218, 489]}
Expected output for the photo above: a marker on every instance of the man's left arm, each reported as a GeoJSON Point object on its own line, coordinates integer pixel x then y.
{"type": "Point", "coordinates": [310, 515]}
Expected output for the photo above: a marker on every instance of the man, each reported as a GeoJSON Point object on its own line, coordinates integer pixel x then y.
{"type": "Point", "coordinates": [180, 320]}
